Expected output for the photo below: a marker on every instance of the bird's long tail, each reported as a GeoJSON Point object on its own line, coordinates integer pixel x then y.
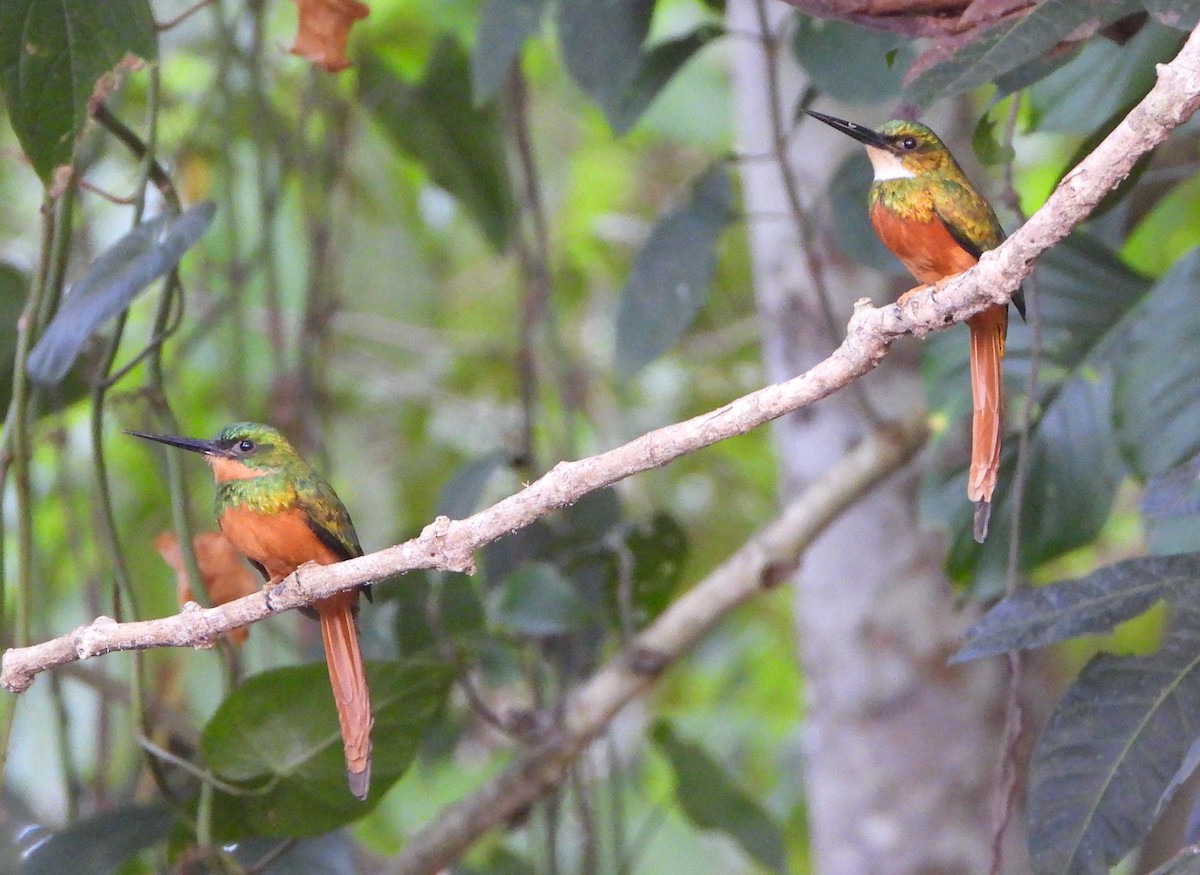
{"type": "Point", "coordinates": [988, 331]}
{"type": "Point", "coordinates": [349, 681]}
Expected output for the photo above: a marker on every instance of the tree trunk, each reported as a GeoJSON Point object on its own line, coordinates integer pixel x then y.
{"type": "Point", "coordinates": [903, 750]}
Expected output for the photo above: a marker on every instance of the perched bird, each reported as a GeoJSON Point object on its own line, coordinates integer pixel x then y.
{"type": "Point", "coordinates": [280, 514]}
{"type": "Point", "coordinates": [927, 213]}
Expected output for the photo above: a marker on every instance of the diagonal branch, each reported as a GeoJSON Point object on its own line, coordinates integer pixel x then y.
{"type": "Point", "coordinates": [451, 544]}
{"type": "Point", "coordinates": [763, 562]}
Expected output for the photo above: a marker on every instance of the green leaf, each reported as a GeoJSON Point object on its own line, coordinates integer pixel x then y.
{"type": "Point", "coordinates": [100, 845]}
{"type": "Point", "coordinates": [461, 494]}
{"type": "Point", "coordinates": [1181, 14]}
{"type": "Point", "coordinates": [1091, 605]}
{"type": "Point", "coordinates": [1100, 81]}
{"type": "Point", "coordinates": [987, 146]}
{"type": "Point", "coordinates": [459, 608]}
{"type": "Point", "coordinates": [1156, 405]}
{"type": "Point", "coordinates": [1106, 760]}
{"type": "Point", "coordinates": [111, 283]}
{"type": "Point", "coordinates": [655, 68]}
{"type": "Point", "coordinates": [601, 43]}
{"type": "Point", "coordinates": [1008, 46]}
{"type": "Point", "coordinates": [459, 144]}
{"type": "Point", "coordinates": [712, 801]}
{"type": "Point", "coordinates": [504, 26]}
{"type": "Point", "coordinates": [277, 736]}
{"type": "Point", "coordinates": [1086, 297]}
{"type": "Point", "coordinates": [851, 63]}
{"type": "Point", "coordinates": [669, 281]}
{"type": "Point", "coordinates": [589, 519]}
{"type": "Point", "coordinates": [537, 601]}
{"type": "Point", "coordinates": [659, 550]}
{"type": "Point", "coordinates": [51, 57]}
{"type": "Point", "coordinates": [1168, 231]}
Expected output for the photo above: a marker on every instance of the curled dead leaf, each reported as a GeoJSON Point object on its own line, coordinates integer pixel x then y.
{"type": "Point", "coordinates": [324, 30]}
{"type": "Point", "coordinates": [225, 573]}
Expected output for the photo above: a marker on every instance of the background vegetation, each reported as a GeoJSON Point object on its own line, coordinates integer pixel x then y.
{"type": "Point", "coordinates": [512, 234]}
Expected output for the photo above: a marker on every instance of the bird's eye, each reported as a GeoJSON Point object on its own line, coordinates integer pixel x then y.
{"type": "Point", "coordinates": [909, 143]}
{"type": "Point", "coordinates": [246, 446]}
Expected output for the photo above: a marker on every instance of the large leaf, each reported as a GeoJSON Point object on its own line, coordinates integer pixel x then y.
{"type": "Point", "coordinates": [1108, 756]}
{"type": "Point", "coordinates": [1091, 605]}
{"type": "Point", "coordinates": [850, 218]}
{"type": "Point", "coordinates": [101, 844]}
{"type": "Point", "coordinates": [655, 68]}
{"type": "Point", "coordinates": [277, 736]}
{"type": "Point", "coordinates": [504, 26]}
{"type": "Point", "coordinates": [850, 63]}
{"type": "Point", "coordinates": [712, 801]}
{"type": "Point", "coordinates": [601, 44]}
{"type": "Point", "coordinates": [1086, 301]}
{"type": "Point", "coordinates": [1156, 405]}
{"type": "Point", "coordinates": [1171, 508]}
{"type": "Point", "coordinates": [1010, 45]}
{"type": "Point", "coordinates": [51, 58]}
{"type": "Point", "coordinates": [459, 144]}
{"type": "Point", "coordinates": [334, 853]}
{"type": "Point", "coordinates": [111, 283]}
{"type": "Point", "coordinates": [538, 601]}
{"type": "Point", "coordinates": [669, 281]}
{"type": "Point", "coordinates": [461, 494]}
{"type": "Point", "coordinates": [1102, 79]}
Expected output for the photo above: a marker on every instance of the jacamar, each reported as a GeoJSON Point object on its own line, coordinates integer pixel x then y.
{"type": "Point", "coordinates": [280, 514]}
{"type": "Point", "coordinates": [928, 214]}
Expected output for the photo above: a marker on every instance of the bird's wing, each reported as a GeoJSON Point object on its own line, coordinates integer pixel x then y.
{"type": "Point", "coordinates": [329, 520]}
{"type": "Point", "coordinates": [964, 207]}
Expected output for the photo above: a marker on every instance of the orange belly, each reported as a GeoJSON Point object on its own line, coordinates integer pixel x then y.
{"type": "Point", "coordinates": [927, 249]}
{"type": "Point", "coordinates": [280, 542]}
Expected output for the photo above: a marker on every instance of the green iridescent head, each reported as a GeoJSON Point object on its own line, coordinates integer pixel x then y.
{"type": "Point", "coordinates": [258, 447]}
{"type": "Point", "coordinates": [899, 149]}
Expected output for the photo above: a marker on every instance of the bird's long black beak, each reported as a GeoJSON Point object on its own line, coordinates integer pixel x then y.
{"type": "Point", "coordinates": [196, 445]}
{"type": "Point", "coordinates": [861, 133]}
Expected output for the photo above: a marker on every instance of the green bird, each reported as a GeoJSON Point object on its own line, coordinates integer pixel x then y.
{"type": "Point", "coordinates": [276, 510]}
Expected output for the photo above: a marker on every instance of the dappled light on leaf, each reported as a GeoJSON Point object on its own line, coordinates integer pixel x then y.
{"type": "Point", "coordinates": [324, 31]}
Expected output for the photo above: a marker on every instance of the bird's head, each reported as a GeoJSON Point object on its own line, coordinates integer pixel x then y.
{"type": "Point", "coordinates": [241, 451]}
{"type": "Point", "coordinates": [899, 149]}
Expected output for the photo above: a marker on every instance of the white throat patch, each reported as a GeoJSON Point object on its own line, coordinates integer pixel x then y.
{"type": "Point", "coordinates": [887, 165]}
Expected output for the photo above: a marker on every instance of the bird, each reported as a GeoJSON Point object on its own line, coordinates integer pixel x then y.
{"type": "Point", "coordinates": [279, 513]}
{"type": "Point", "coordinates": [925, 210]}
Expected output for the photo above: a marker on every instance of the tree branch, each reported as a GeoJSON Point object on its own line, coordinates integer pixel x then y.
{"type": "Point", "coordinates": [763, 562]}
{"type": "Point", "coordinates": [450, 545]}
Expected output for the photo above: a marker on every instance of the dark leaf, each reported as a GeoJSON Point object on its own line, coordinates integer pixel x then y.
{"type": "Point", "coordinates": [659, 550]}
{"type": "Point", "coordinates": [1156, 405]}
{"type": "Point", "coordinates": [1186, 862]}
{"type": "Point", "coordinates": [1104, 79]}
{"type": "Point", "coordinates": [1174, 493]}
{"type": "Point", "coordinates": [655, 68]}
{"type": "Point", "coordinates": [987, 146]}
{"type": "Point", "coordinates": [1010, 45]}
{"type": "Point", "coordinates": [277, 735]}
{"type": "Point", "coordinates": [590, 518]}
{"type": "Point", "coordinates": [459, 144]}
{"type": "Point", "coordinates": [1091, 605]}
{"type": "Point", "coordinates": [504, 26]}
{"type": "Point", "coordinates": [537, 601]}
{"type": "Point", "coordinates": [459, 612]}
{"type": "Point", "coordinates": [461, 494]}
{"type": "Point", "coordinates": [504, 556]}
{"type": "Point", "coordinates": [712, 801]}
{"type": "Point", "coordinates": [101, 844]}
{"type": "Point", "coordinates": [111, 283]}
{"type": "Point", "coordinates": [669, 281]}
{"type": "Point", "coordinates": [1181, 14]}
{"type": "Point", "coordinates": [330, 854]}
{"type": "Point", "coordinates": [601, 43]}
{"type": "Point", "coordinates": [850, 63]}
{"type": "Point", "coordinates": [51, 57]}
{"type": "Point", "coordinates": [1110, 751]}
